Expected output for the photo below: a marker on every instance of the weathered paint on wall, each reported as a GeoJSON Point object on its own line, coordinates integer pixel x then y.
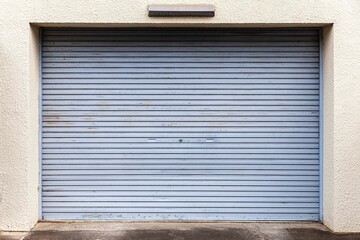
{"type": "Point", "coordinates": [19, 87]}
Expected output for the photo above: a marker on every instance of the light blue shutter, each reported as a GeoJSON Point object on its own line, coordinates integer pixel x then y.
{"type": "Point", "coordinates": [193, 124]}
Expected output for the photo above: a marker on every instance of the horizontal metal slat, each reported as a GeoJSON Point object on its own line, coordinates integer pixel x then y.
{"type": "Point", "coordinates": [190, 182]}
{"type": "Point", "coordinates": [181, 144]}
{"type": "Point", "coordinates": [177, 205]}
{"type": "Point", "coordinates": [186, 140]}
{"type": "Point", "coordinates": [167, 129]}
{"type": "Point", "coordinates": [185, 150]}
{"type": "Point", "coordinates": [181, 188]}
{"type": "Point", "coordinates": [197, 59]}
{"type": "Point", "coordinates": [186, 216]}
{"type": "Point", "coordinates": [166, 166]}
{"type": "Point", "coordinates": [181, 210]}
{"type": "Point", "coordinates": [175, 71]}
{"type": "Point", "coordinates": [203, 155]}
{"type": "Point", "coordinates": [144, 92]}
{"type": "Point", "coordinates": [181, 124]}
{"type": "Point", "coordinates": [239, 121]}
{"type": "Point", "coordinates": [179, 65]}
{"type": "Point", "coordinates": [180, 108]}
{"type": "Point", "coordinates": [180, 177]}
{"type": "Point", "coordinates": [181, 172]}
{"type": "Point", "coordinates": [216, 179]}
{"type": "Point", "coordinates": [179, 135]}
{"type": "Point", "coordinates": [178, 49]}
{"type": "Point", "coordinates": [182, 97]}
{"type": "Point", "coordinates": [150, 193]}
{"type": "Point", "coordinates": [181, 54]}
{"type": "Point", "coordinates": [180, 35]}
{"type": "Point", "coordinates": [183, 38]}
{"type": "Point", "coordinates": [215, 162]}
{"type": "Point", "coordinates": [184, 82]}
{"type": "Point", "coordinates": [205, 113]}
{"type": "Point", "coordinates": [63, 102]}
{"type": "Point", "coordinates": [142, 75]}
{"type": "Point", "coordinates": [247, 200]}
{"type": "Point", "coordinates": [179, 31]}
{"type": "Point", "coordinates": [178, 86]}
{"type": "Point", "coordinates": [178, 44]}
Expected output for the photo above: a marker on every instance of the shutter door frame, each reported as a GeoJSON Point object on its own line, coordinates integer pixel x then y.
{"type": "Point", "coordinates": [41, 127]}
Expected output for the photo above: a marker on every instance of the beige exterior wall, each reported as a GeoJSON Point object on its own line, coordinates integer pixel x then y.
{"type": "Point", "coordinates": [19, 22]}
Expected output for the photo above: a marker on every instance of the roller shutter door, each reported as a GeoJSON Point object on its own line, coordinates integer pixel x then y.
{"type": "Point", "coordinates": [192, 124]}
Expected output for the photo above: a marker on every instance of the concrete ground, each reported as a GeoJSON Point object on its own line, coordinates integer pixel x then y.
{"type": "Point", "coordinates": [177, 231]}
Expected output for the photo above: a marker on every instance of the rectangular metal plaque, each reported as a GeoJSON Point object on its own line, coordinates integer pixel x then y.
{"type": "Point", "coordinates": [181, 11]}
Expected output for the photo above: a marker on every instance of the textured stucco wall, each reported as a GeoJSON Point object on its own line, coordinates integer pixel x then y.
{"type": "Point", "coordinates": [346, 162]}
{"type": "Point", "coordinates": [19, 86]}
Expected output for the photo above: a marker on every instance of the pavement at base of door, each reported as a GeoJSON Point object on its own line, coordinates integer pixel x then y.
{"type": "Point", "coordinates": [90, 230]}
